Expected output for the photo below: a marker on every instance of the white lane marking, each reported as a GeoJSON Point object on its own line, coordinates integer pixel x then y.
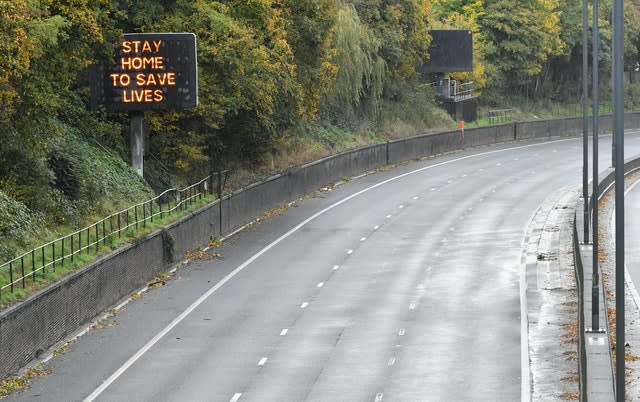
{"type": "Point", "coordinates": [304, 305]}
{"type": "Point", "coordinates": [379, 397]}
{"type": "Point", "coordinates": [321, 284]}
{"type": "Point", "coordinates": [434, 189]}
{"type": "Point", "coordinates": [415, 198]}
{"type": "Point", "coordinates": [336, 267]}
{"type": "Point", "coordinates": [363, 239]}
{"type": "Point", "coordinates": [400, 206]}
{"type": "Point", "coordinates": [388, 216]}
{"type": "Point", "coordinates": [284, 332]}
{"type": "Point", "coordinates": [464, 175]}
{"type": "Point", "coordinates": [262, 361]}
{"type": "Point", "coordinates": [349, 252]}
{"type": "Point", "coordinates": [391, 361]}
{"type": "Point", "coordinates": [525, 368]}
{"type": "Point", "coordinates": [631, 286]}
{"type": "Point", "coordinates": [402, 332]}
{"type": "Point", "coordinates": [236, 397]}
{"type": "Point", "coordinates": [627, 275]}
{"type": "Point", "coordinates": [376, 227]}
{"type": "Point", "coordinates": [279, 240]}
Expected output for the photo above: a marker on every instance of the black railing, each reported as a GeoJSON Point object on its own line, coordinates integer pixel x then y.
{"type": "Point", "coordinates": [67, 249]}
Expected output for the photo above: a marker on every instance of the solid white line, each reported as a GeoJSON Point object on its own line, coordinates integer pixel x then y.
{"type": "Point", "coordinates": [627, 275]}
{"type": "Point", "coordinates": [284, 332]}
{"type": "Point", "coordinates": [525, 369]}
{"type": "Point", "coordinates": [262, 362]}
{"type": "Point", "coordinates": [271, 245]}
{"type": "Point", "coordinates": [236, 397]}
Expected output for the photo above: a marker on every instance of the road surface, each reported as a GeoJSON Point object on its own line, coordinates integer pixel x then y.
{"type": "Point", "coordinates": [403, 285]}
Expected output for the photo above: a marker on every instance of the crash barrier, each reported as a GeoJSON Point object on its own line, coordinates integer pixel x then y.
{"type": "Point", "coordinates": [43, 319]}
{"type": "Point", "coordinates": [595, 363]}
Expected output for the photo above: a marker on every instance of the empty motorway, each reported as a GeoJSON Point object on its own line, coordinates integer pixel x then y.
{"type": "Point", "coordinates": [401, 285]}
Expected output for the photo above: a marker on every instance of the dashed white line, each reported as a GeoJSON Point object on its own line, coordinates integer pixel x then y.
{"type": "Point", "coordinates": [415, 198]}
{"type": "Point", "coordinates": [434, 189]}
{"type": "Point", "coordinates": [321, 284]}
{"type": "Point", "coordinates": [400, 206]}
{"type": "Point", "coordinates": [388, 216]}
{"type": "Point", "coordinates": [363, 239]}
{"type": "Point", "coordinates": [376, 227]}
{"type": "Point", "coordinates": [236, 397]}
{"type": "Point", "coordinates": [336, 267]}
{"type": "Point", "coordinates": [304, 305]}
{"type": "Point", "coordinates": [349, 252]}
{"type": "Point", "coordinates": [262, 362]}
{"type": "Point", "coordinates": [284, 332]}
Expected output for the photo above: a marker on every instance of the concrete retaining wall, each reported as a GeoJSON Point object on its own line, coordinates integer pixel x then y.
{"type": "Point", "coordinates": [52, 314]}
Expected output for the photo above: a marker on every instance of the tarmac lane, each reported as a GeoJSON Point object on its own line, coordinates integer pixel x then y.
{"type": "Point", "coordinates": [402, 285]}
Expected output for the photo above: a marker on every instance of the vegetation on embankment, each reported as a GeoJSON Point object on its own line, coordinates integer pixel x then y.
{"type": "Point", "coordinates": [281, 83]}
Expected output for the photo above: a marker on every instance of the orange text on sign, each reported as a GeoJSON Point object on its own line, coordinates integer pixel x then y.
{"type": "Point", "coordinates": [141, 46]}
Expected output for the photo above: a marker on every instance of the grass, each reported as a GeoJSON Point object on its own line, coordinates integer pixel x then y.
{"type": "Point", "coordinates": [41, 279]}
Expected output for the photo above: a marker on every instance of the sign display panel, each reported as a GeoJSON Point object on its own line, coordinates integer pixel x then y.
{"type": "Point", "coordinates": [451, 50]}
{"type": "Point", "coordinates": [152, 71]}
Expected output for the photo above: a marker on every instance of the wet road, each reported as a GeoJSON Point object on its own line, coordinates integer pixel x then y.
{"type": "Point", "coordinates": [402, 285]}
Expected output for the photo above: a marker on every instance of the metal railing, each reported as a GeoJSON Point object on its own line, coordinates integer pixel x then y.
{"type": "Point", "coordinates": [451, 89]}
{"type": "Point", "coordinates": [67, 249]}
{"type": "Point", "coordinates": [500, 115]}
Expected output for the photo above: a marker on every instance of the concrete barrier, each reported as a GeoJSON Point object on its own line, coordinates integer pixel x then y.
{"type": "Point", "coordinates": [50, 315]}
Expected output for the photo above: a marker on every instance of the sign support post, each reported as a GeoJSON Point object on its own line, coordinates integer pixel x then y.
{"type": "Point", "coordinates": [137, 142]}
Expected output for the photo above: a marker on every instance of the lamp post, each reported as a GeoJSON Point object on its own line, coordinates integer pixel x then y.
{"type": "Point", "coordinates": [595, 288]}
{"type": "Point", "coordinates": [585, 118]}
{"type": "Point", "coordinates": [618, 134]}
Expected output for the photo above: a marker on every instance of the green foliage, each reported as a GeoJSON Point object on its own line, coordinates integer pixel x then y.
{"type": "Point", "coordinates": [360, 71]}
{"type": "Point", "coordinates": [523, 36]}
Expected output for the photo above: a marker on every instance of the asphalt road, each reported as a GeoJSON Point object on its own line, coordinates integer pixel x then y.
{"type": "Point", "coordinates": [402, 285]}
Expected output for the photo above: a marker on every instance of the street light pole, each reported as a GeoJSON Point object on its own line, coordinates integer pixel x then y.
{"type": "Point", "coordinates": [618, 134]}
{"type": "Point", "coordinates": [595, 288]}
{"type": "Point", "coordinates": [585, 118]}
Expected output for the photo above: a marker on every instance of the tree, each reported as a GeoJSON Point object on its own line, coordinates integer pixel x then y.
{"type": "Point", "coordinates": [521, 37]}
